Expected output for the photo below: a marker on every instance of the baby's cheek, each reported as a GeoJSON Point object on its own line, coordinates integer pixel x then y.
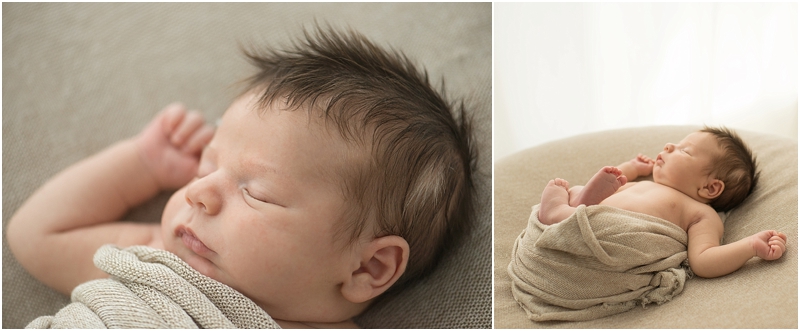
{"type": "Point", "coordinates": [176, 201]}
{"type": "Point", "coordinates": [157, 242]}
{"type": "Point", "coordinates": [168, 217]}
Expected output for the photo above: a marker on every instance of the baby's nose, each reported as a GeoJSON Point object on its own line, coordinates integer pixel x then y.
{"type": "Point", "coordinates": [203, 194]}
{"type": "Point", "coordinates": [669, 147]}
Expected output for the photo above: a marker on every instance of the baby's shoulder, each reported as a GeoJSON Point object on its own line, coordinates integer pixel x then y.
{"type": "Point", "coordinates": [702, 213]}
{"type": "Point", "coordinates": [703, 209]}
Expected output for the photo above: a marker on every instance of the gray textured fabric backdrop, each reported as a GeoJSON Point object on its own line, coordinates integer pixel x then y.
{"type": "Point", "coordinates": [77, 77]}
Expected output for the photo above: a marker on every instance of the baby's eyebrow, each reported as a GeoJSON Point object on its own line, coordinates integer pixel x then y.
{"type": "Point", "coordinates": [265, 167]}
{"type": "Point", "coordinates": [262, 167]}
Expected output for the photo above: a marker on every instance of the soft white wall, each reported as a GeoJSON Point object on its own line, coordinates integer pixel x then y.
{"type": "Point", "coordinates": [562, 69]}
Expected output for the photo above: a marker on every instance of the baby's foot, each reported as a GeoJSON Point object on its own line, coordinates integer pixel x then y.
{"type": "Point", "coordinates": [554, 196]}
{"type": "Point", "coordinates": [559, 182]}
{"type": "Point", "coordinates": [601, 186]}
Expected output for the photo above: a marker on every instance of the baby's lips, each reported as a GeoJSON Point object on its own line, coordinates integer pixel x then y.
{"type": "Point", "coordinates": [191, 241]}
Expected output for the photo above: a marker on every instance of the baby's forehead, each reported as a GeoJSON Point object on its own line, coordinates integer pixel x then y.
{"type": "Point", "coordinates": [700, 138]}
{"type": "Point", "coordinates": [348, 136]}
{"type": "Point", "coordinates": [704, 142]}
{"type": "Point", "coordinates": [294, 132]}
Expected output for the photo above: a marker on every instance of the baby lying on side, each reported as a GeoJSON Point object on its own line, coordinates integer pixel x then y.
{"type": "Point", "coordinates": [708, 171]}
{"type": "Point", "coordinates": [337, 177]}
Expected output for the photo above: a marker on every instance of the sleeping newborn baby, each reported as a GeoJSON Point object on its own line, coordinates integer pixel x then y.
{"type": "Point", "coordinates": [708, 171]}
{"type": "Point", "coordinates": [302, 206]}
{"type": "Point", "coordinates": [604, 248]}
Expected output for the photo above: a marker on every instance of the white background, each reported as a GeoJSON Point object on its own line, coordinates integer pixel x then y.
{"type": "Point", "coordinates": [562, 69]}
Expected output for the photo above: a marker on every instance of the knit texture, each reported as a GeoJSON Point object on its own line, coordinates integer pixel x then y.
{"type": "Point", "coordinates": [598, 262]}
{"type": "Point", "coordinates": [154, 289]}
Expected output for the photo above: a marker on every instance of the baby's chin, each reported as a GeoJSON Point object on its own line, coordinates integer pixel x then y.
{"type": "Point", "coordinates": [200, 264]}
{"type": "Point", "coordinates": [348, 324]}
{"type": "Point", "coordinates": [174, 245]}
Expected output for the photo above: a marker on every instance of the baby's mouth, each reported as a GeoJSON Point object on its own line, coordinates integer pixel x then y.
{"type": "Point", "coordinates": [659, 159]}
{"type": "Point", "coordinates": [191, 241]}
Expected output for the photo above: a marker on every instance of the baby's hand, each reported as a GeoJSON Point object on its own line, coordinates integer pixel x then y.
{"type": "Point", "coordinates": [769, 245]}
{"type": "Point", "coordinates": [171, 144]}
{"type": "Point", "coordinates": [643, 165]}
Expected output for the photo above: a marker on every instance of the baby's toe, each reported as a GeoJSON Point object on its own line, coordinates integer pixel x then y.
{"type": "Point", "coordinates": [561, 182]}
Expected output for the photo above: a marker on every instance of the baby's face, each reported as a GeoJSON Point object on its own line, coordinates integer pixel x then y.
{"type": "Point", "coordinates": [683, 166]}
{"type": "Point", "coordinates": [262, 212]}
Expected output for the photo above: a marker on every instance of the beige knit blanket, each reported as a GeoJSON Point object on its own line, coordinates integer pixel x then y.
{"type": "Point", "coordinates": [598, 262]}
{"type": "Point", "coordinates": [154, 289]}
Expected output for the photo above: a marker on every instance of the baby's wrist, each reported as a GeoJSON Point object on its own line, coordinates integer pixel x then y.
{"type": "Point", "coordinates": [128, 173]}
{"type": "Point", "coordinates": [752, 243]}
{"type": "Point", "coordinates": [147, 169]}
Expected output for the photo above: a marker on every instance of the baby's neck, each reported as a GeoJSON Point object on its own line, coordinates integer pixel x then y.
{"type": "Point", "coordinates": [348, 324]}
{"type": "Point", "coordinates": [689, 194]}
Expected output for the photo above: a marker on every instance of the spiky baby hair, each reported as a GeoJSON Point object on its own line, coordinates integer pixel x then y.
{"type": "Point", "coordinates": [735, 166]}
{"type": "Point", "coordinates": [416, 181]}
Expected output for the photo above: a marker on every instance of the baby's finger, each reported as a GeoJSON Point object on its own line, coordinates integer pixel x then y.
{"type": "Point", "coordinates": [198, 140]}
{"type": "Point", "coordinates": [776, 243]}
{"type": "Point", "coordinates": [173, 114]}
{"type": "Point", "coordinates": [191, 122]}
{"type": "Point", "coordinates": [776, 251]}
{"type": "Point", "coordinates": [777, 246]}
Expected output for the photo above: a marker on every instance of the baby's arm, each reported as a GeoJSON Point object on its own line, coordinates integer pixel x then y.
{"type": "Point", "coordinates": [55, 233]}
{"type": "Point", "coordinates": [708, 259]}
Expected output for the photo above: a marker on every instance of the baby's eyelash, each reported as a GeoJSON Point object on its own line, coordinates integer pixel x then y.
{"type": "Point", "coordinates": [247, 192]}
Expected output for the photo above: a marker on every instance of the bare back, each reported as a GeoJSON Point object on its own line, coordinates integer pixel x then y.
{"type": "Point", "coordinates": [661, 201]}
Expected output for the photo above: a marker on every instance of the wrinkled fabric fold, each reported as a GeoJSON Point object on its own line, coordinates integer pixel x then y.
{"type": "Point", "coordinates": [151, 288]}
{"type": "Point", "coordinates": [598, 262]}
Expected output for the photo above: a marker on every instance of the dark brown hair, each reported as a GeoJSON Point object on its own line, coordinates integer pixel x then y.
{"type": "Point", "coordinates": [735, 166]}
{"type": "Point", "coordinates": [415, 180]}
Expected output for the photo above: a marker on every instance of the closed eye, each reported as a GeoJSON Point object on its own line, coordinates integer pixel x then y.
{"type": "Point", "coordinates": [247, 194]}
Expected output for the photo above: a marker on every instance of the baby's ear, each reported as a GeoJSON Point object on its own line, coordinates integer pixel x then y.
{"type": "Point", "coordinates": [383, 261]}
{"type": "Point", "coordinates": [712, 189]}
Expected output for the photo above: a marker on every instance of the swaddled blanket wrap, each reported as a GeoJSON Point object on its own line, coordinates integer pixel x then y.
{"type": "Point", "coordinates": [151, 288]}
{"type": "Point", "coordinates": [598, 262]}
